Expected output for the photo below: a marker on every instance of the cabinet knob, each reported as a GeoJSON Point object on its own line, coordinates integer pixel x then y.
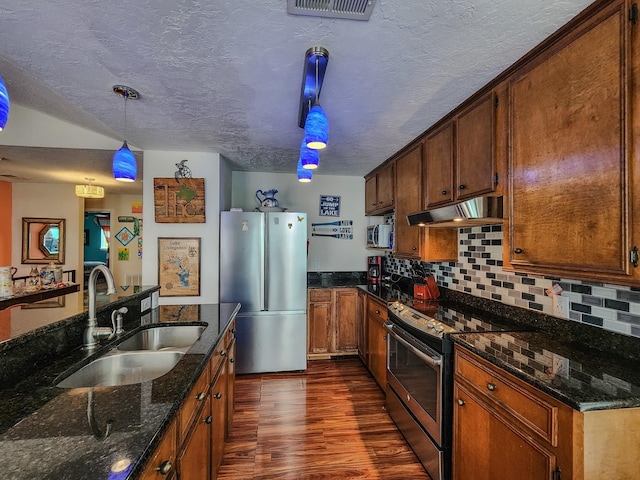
{"type": "Point", "coordinates": [232, 360]}
{"type": "Point", "coordinates": [461, 402]}
{"type": "Point", "coordinates": [223, 352]}
{"type": "Point", "coordinates": [384, 338]}
{"type": "Point", "coordinates": [164, 468]}
{"type": "Point", "coordinates": [461, 187]}
{"type": "Point", "coordinates": [201, 396]}
{"type": "Point", "coordinates": [414, 248]}
{"type": "Point", "coordinates": [208, 420]}
{"type": "Point", "coordinates": [444, 192]}
{"type": "Point", "coordinates": [217, 396]}
{"type": "Point", "coordinates": [518, 250]}
{"type": "Point", "coordinates": [377, 312]}
{"type": "Point", "coordinates": [491, 387]}
{"type": "Point", "coordinates": [233, 330]}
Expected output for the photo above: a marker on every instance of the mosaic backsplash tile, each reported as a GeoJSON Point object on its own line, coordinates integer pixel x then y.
{"type": "Point", "coordinates": [479, 272]}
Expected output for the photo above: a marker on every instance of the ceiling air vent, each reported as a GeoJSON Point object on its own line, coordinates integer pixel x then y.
{"type": "Point", "coordinates": [350, 9]}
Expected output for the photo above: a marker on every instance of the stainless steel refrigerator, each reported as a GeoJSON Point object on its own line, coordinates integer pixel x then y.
{"type": "Point", "coordinates": [263, 265]}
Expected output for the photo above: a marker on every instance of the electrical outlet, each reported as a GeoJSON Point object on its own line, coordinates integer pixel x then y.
{"type": "Point", "coordinates": [145, 304]}
{"type": "Point", "coordinates": [560, 306]}
{"type": "Point", "coordinates": [560, 365]}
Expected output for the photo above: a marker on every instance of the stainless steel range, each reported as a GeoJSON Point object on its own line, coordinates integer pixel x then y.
{"type": "Point", "coordinates": [420, 385]}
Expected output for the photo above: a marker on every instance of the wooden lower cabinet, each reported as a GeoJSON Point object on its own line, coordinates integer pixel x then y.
{"type": "Point", "coordinates": [331, 315]}
{"type": "Point", "coordinates": [505, 428]}
{"type": "Point", "coordinates": [361, 325]}
{"type": "Point", "coordinates": [377, 340]}
{"type": "Point", "coordinates": [193, 446]}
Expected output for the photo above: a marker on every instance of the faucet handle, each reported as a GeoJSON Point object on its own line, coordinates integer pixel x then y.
{"type": "Point", "coordinates": [117, 317]}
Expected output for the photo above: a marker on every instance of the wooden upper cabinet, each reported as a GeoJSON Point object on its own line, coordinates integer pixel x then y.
{"type": "Point", "coordinates": [438, 171]}
{"type": "Point", "coordinates": [475, 149]}
{"type": "Point", "coordinates": [408, 188]}
{"type": "Point", "coordinates": [570, 155]}
{"type": "Point", "coordinates": [460, 161]}
{"type": "Point", "coordinates": [378, 190]}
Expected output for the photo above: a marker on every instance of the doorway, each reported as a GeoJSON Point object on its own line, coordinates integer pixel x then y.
{"type": "Point", "coordinates": [97, 236]}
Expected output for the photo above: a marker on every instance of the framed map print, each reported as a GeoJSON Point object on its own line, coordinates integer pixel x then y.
{"type": "Point", "coordinates": [179, 267]}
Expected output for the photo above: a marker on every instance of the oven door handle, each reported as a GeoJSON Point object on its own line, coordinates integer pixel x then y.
{"type": "Point", "coordinates": [436, 362]}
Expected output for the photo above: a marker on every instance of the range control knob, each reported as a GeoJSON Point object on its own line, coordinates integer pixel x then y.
{"type": "Point", "coordinates": [438, 328]}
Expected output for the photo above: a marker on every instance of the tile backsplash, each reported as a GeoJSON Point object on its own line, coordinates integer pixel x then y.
{"type": "Point", "coordinates": [479, 272]}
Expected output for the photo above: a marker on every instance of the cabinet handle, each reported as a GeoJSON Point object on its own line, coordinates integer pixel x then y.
{"type": "Point", "coordinates": [201, 396]}
{"type": "Point", "coordinates": [461, 402]}
{"type": "Point", "coordinates": [208, 420]}
{"type": "Point", "coordinates": [518, 250]}
{"type": "Point", "coordinates": [414, 248]}
{"type": "Point", "coordinates": [491, 387]}
{"type": "Point", "coordinates": [223, 353]}
{"type": "Point", "coordinates": [233, 330]}
{"type": "Point", "coordinates": [164, 468]}
{"type": "Point", "coordinates": [232, 360]}
{"type": "Point", "coordinates": [217, 396]}
{"type": "Point", "coordinates": [461, 187]}
{"type": "Point", "coordinates": [444, 192]}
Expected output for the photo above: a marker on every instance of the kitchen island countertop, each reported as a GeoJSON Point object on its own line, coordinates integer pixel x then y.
{"type": "Point", "coordinates": [44, 430]}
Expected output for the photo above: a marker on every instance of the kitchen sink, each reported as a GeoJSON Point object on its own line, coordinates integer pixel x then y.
{"type": "Point", "coordinates": [123, 368]}
{"type": "Point", "coordinates": [172, 337]}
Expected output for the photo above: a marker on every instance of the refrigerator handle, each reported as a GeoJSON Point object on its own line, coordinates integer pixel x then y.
{"type": "Point", "coordinates": [264, 267]}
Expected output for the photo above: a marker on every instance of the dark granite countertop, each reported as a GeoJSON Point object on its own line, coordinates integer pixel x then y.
{"type": "Point", "coordinates": [44, 429]}
{"type": "Point", "coordinates": [335, 279]}
{"type": "Point", "coordinates": [577, 375]}
{"type": "Point", "coordinates": [585, 367]}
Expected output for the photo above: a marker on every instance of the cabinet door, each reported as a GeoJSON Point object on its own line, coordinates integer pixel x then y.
{"type": "Point", "coordinates": [162, 464]}
{"type": "Point", "coordinates": [409, 193]}
{"type": "Point", "coordinates": [438, 174]}
{"type": "Point", "coordinates": [321, 328]}
{"type": "Point", "coordinates": [219, 419]}
{"type": "Point", "coordinates": [385, 192]}
{"type": "Point", "coordinates": [377, 351]}
{"type": "Point", "coordinates": [475, 150]}
{"type": "Point", "coordinates": [487, 447]}
{"type": "Point", "coordinates": [193, 459]}
{"type": "Point", "coordinates": [370, 195]}
{"type": "Point", "coordinates": [361, 325]}
{"type": "Point", "coordinates": [570, 153]}
{"type": "Point", "coordinates": [231, 382]}
{"type": "Point", "coordinates": [345, 319]}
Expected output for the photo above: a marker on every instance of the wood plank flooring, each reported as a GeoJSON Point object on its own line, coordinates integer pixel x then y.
{"type": "Point", "coordinates": [325, 423]}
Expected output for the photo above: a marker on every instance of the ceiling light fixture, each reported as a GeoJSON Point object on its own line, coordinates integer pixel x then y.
{"type": "Point", "coordinates": [311, 115]}
{"type": "Point", "coordinates": [309, 158]}
{"type": "Point", "coordinates": [124, 162]}
{"type": "Point", "coordinates": [4, 105]}
{"type": "Point", "coordinates": [89, 191]}
{"type": "Point", "coordinates": [304, 174]}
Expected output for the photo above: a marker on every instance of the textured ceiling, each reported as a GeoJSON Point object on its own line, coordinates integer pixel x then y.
{"type": "Point", "coordinates": [224, 76]}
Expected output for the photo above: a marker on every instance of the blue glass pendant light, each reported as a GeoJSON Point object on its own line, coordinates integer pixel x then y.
{"type": "Point", "coordinates": [304, 175]}
{"type": "Point", "coordinates": [124, 162]}
{"type": "Point", "coordinates": [316, 125]}
{"type": "Point", "coordinates": [309, 158]}
{"type": "Point", "coordinates": [4, 105]}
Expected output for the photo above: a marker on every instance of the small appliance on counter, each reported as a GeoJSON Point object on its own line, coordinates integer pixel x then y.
{"type": "Point", "coordinates": [374, 274]}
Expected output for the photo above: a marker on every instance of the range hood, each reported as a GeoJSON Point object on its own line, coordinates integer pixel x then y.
{"type": "Point", "coordinates": [476, 211]}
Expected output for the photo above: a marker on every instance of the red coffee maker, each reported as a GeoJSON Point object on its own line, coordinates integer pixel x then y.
{"type": "Point", "coordinates": [374, 274]}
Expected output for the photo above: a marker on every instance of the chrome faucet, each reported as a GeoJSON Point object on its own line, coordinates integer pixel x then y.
{"type": "Point", "coordinates": [92, 332]}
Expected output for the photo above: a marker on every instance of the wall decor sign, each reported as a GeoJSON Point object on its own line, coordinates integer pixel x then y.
{"type": "Point", "coordinates": [329, 206]}
{"type": "Point", "coordinates": [125, 236]}
{"type": "Point", "coordinates": [179, 267]}
{"type": "Point", "coordinates": [179, 200]}
{"type": "Point", "coordinates": [342, 229]}
{"type": "Point", "coordinates": [123, 254]}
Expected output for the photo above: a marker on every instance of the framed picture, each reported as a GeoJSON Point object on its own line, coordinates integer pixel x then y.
{"type": "Point", "coordinates": [179, 267]}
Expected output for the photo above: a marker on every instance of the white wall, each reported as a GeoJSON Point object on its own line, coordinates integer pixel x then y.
{"type": "Point", "coordinates": [47, 200]}
{"type": "Point", "coordinates": [159, 164]}
{"type": "Point", "coordinates": [325, 254]}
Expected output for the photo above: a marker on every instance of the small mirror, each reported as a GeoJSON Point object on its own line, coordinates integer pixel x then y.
{"type": "Point", "coordinates": [43, 240]}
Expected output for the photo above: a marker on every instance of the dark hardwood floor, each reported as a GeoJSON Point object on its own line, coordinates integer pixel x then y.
{"type": "Point", "coordinates": [326, 423]}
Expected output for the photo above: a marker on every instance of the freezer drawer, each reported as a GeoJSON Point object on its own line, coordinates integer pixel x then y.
{"type": "Point", "coordinates": [271, 342]}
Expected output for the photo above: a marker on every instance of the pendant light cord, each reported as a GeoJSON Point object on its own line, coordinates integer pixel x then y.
{"type": "Point", "coordinates": [316, 80]}
{"type": "Point", "coordinates": [125, 95]}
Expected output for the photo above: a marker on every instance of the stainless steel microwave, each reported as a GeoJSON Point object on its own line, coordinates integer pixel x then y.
{"type": "Point", "coordinates": [379, 236]}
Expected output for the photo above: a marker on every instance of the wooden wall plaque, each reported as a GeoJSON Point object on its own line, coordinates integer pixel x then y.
{"type": "Point", "coordinates": [178, 200]}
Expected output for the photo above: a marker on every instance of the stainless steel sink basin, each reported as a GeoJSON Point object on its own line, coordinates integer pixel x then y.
{"type": "Point", "coordinates": [163, 337]}
{"type": "Point", "coordinates": [123, 368]}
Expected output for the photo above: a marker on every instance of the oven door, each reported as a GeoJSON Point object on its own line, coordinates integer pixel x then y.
{"type": "Point", "coordinates": [414, 371]}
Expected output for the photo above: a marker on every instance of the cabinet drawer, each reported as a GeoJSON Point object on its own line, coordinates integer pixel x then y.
{"type": "Point", "coordinates": [319, 294]}
{"type": "Point", "coordinates": [510, 394]}
{"type": "Point", "coordinates": [162, 464]}
{"type": "Point", "coordinates": [377, 310]}
{"type": "Point", "coordinates": [191, 405]}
